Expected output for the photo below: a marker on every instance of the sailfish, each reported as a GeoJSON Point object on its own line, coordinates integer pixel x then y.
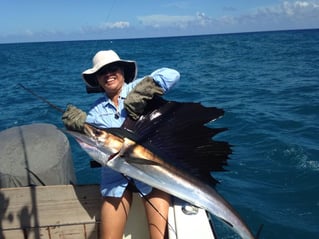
{"type": "Point", "coordinates": [170, 147]}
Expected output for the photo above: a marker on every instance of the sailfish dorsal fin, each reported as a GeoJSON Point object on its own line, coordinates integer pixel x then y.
{"type": "Point", "coordinates": [178, 134]}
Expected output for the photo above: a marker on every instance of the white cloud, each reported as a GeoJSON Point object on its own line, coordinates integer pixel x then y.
{"type": "Point", "coordinates": [297, 7]}
{"type": "Point", "coordinates": [182, 22]}
{"type": "Point", "coordinates": [105, 26]}
{"type": "Point", "coordinates": [202, 19]}
{"type": "Point", "coordinates": [292, 8]}
{"type": "Point", "coordinates": [159, 21]}
{"type": "Point", "coordinates": [106, 30]}
{"type": "Point", "coordinates": [115, 25]}
{"type": "Point", "coordinates": [28, 32]}
{"type": "Point", "coordinates": [288, 14]}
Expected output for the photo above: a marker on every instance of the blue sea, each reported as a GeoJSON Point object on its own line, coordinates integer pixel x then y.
{"type": "Point", "coordinates": [267, 83]}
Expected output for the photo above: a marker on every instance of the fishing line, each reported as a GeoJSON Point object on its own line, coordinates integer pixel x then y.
{"type": "Point", "coordinates": [131, 181]}
{"type": "Point", "coordinates": [101, 28]}
{"type": "Point", "coordinates": [41, 98]}
{"type": "Point", "coordinates": [36, 176]}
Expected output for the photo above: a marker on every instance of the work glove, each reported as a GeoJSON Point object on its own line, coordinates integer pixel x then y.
{"type": "Point", "coordinates": [73, 118]}
{"type": "Point", "coordinates": [137, 99]}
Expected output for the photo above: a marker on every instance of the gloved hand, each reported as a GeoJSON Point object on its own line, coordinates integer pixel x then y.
{"type": "Point", "coordinates": [73, 118]}
{"type": "Point", "coordinates": [137, 99]}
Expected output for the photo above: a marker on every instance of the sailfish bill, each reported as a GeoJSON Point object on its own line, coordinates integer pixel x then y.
{"type": "Point", "coordinates": [171, 148]}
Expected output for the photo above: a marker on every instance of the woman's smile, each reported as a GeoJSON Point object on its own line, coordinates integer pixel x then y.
{"type": "Point", "coordinates": [111, 82]}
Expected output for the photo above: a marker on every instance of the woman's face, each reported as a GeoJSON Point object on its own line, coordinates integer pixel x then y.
{"type": "Point", "coordinates": [111, 78]}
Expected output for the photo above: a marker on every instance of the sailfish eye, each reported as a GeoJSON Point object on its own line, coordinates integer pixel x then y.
{"type": "Point", "coordinates": [98, 135]}
{"type": "Point", "coordinates": [97, 132]}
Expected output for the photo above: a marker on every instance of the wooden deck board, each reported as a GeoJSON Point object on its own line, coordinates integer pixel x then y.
{"type": "Point", "coordinates": [62, 211]}
{"type": "Point", "coordinates": [49, 205]}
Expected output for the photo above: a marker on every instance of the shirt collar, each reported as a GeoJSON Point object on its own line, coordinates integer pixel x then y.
{"type": "Point", "coordinates": [122, 95]}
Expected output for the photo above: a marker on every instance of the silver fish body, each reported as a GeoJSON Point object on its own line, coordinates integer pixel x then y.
{"type": "Point", "coordinates": [163, 176]}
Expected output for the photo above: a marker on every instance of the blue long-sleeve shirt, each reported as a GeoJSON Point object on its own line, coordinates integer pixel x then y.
{"type": "Point", "coordinates": [104, 114]}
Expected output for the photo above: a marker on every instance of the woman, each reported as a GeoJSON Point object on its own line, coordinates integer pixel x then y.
{"type": "Point", "coordinates": [123, 96]}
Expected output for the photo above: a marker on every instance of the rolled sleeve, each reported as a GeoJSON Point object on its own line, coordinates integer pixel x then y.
{"type": "Point", "coordinates": [166, 78]}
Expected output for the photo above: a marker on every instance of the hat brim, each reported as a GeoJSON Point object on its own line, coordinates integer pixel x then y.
{"type": "Point", "coordinates": [129, 68]}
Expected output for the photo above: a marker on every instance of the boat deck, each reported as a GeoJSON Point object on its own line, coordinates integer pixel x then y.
{"type": "Point", "coordinates": [67, 211]}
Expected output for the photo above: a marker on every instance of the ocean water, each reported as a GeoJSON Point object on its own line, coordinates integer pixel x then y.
{"type": "Point", "coordinates": [267, 83]}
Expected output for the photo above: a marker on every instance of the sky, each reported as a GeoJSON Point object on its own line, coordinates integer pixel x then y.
{"type": "Point", "coordinates": [64, 20]}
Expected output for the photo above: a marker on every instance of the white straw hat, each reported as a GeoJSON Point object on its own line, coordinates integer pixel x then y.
{"type": "Point", "coordinates": [103, 58]}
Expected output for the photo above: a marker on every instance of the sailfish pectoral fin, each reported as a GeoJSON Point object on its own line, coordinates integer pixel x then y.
{"type": "Point", "coordinates": [142, 161]}
{"type": "Point", "coordinates": [127, 152]}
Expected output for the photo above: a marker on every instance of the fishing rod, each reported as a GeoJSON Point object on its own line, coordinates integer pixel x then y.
{"type": "Point", "coordinates": [41, 98]}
